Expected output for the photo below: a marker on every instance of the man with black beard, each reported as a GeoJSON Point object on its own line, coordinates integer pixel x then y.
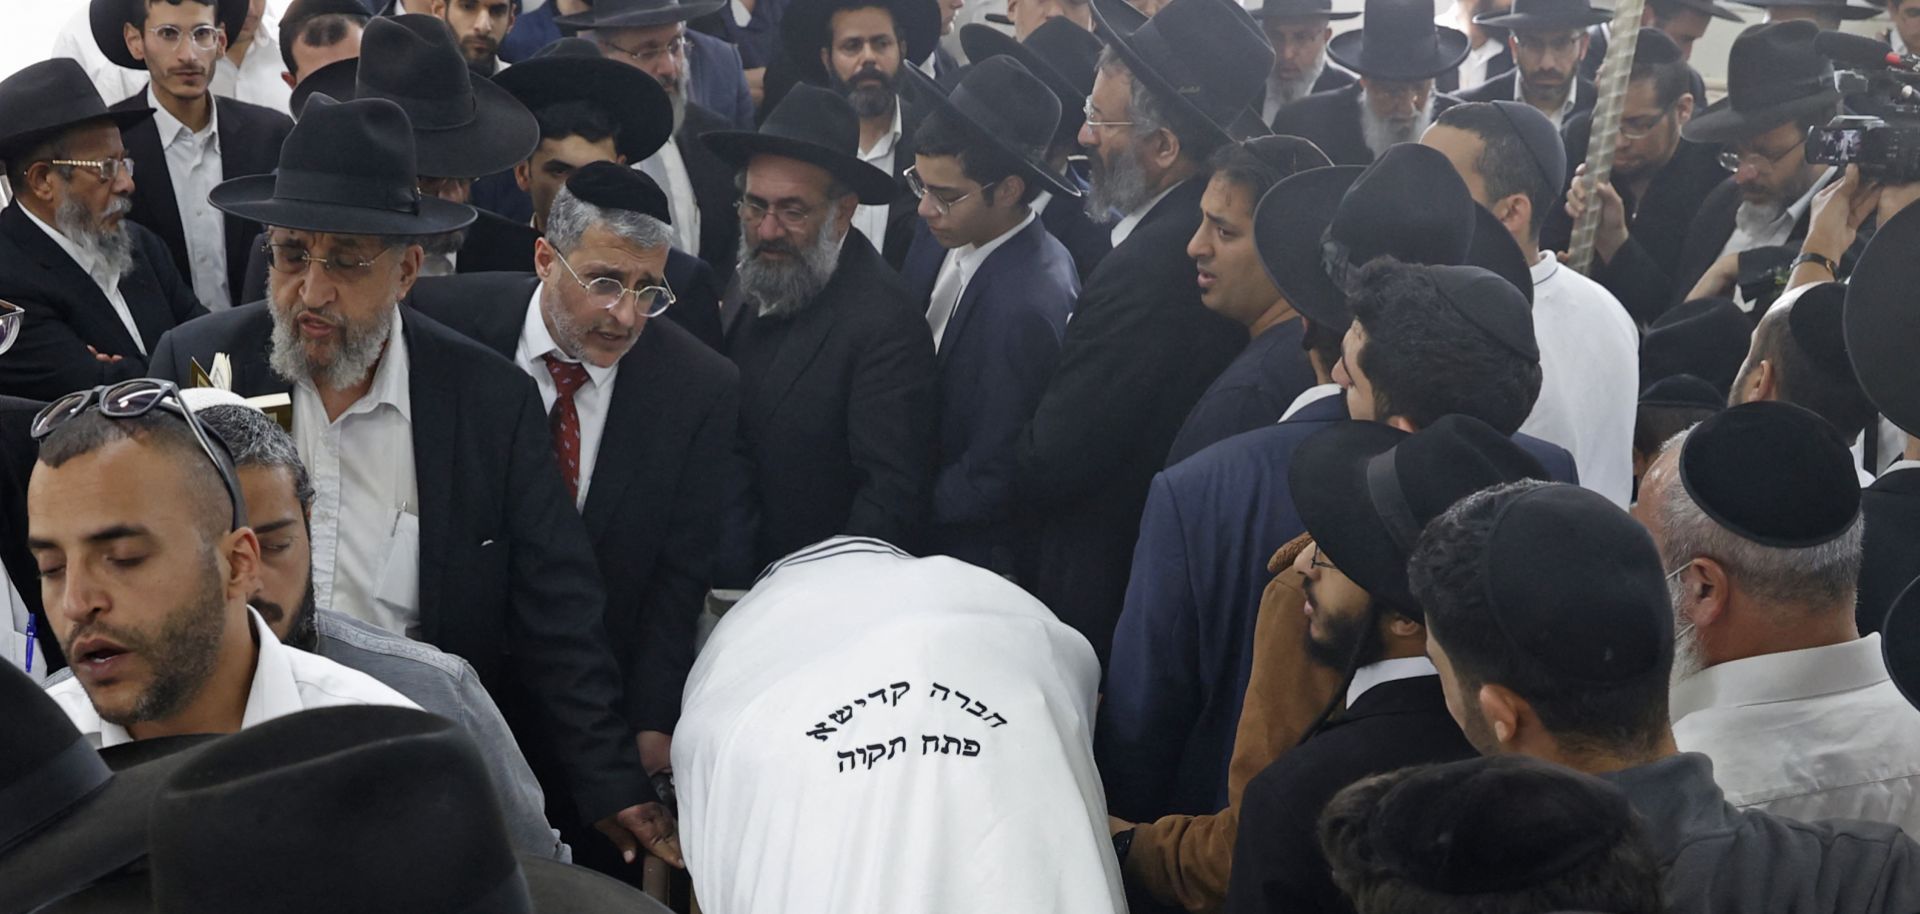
{"type": "Point", "coordinates": [98, 290]}
{"type": "Point", "coordinates": [1549, 40]}
{"type": "Point", "coordinates": [1397, 53]}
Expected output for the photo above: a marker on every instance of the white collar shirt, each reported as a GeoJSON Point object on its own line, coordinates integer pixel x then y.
{"type": "Point", "coordinates": [591, 400]}
{"type": "Point", "coordinates": [1124, 228]}
{"type": "Point", "coordinates": [1473, 70]}
{"type": "Point", "coordinates": [1820, 733]}
{"type": "Point", "coordinates": [194, 167]}
{"type": "Point", "coordinates": [1040, 202]}
{"type": "Point", "coordinates": [366, 500]}
{"type": "Point", "coordinates": [1589, 376]}
{"type": "Point", "coordinates": [1310, 396]}
{"type": "Point", "coordinates": [668, 169]}
{"type": "Point", "coordinates": [1779, 230]}
{"type": "Point", "coordinates": [1557, 117]}
{"type": "Point", "coordinates": [286, 681]}
{"type": "Point", "coordinates": [17, 637]}
{"type": "Point", "coordinates": [256, 79]}
{"type": "Point", "coordinates": [108, 283]}
{"type": "Point", "coordinates": [1901, 464]}
{"type": "Point", "coordinates": [1385, 671]}
{"type": "Point", "coordinates": [871, 220]}
{"type": "Point", "coordinates": [967, 260]}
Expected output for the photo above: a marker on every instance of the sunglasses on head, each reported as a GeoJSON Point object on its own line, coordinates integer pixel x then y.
{"type": "Point", "coordinates": [136, 398]}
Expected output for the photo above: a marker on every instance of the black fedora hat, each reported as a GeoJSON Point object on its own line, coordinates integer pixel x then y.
{"type": "Point", "coordinates": [1839, 8]}
{"type": "Point", "coordinates": [1365, 490]}
{"type": "Point", "coordinates": [816, 126]}
{"type": "Point", "coordinates": [45, 99]}
{"type": "Point", "coordinates": [1064, 56]}
{"type": "Point", "coordinates": [1900, 642]}
{"type": "Point", "coordinates": [1006, 106]}
{"type": "Point", "coordinates": [634, 14]}
{"type": "Point", "coordinates": [1400, 42]}
{"type": "Point", "coordinates": [1206, 59]}
{"type": "Point", "coordinates": [1707, 338]}
{"type": "Point", "coordinates": [346, 168]}
{"type": "Point", "coordinates": [806, 28]}
{"type": "Point", "coordinates": [1115, 17]}
{"type": "Point", "coordinates": [464, 126]}
{"type": "Point", "coordinates": [335, 80]}
{"type": "Point", "coordinates": [106, 17]}
{"type": "Point", "coordinates": [1710, 8]}
{"type": "Point", "coordinates": [1773, 76]}
{"type": "Point", "coordinates": [1297, 9]}
{"type": "Point", "coordinates": [1882, 326]}
{"type": "Point", "coordinates": [572, 69]}
{"type": "Point", "coordinates": [73, 815]}
{"type": "Point", "coordinates": [1545, 14]}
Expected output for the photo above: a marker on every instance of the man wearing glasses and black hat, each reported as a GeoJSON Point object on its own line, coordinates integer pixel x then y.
{"type": "Point", "coordinates": [1299, 31]}
{"type": "Point", "coordinates": [1397, 53]}
{"type": "Point", "coordinates": [1549, 40]}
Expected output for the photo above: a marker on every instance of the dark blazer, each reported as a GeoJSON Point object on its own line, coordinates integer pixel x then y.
{"type": "Point", "coordinates": [1711, 227]}
{"type": "Point", "coordinates": [1139, 351]}
{"type": "Point", "coordinates": [903, 215]}
{"type": "Point", "coordinates": [507, 577]}
{"type": "Point", "coordinates": [658, 480]}
{"type": "Point", "coordinates": [1889, 560]}
{"type": "Point", "coordinates": [714, 192]}
{"type": "Point", "coordinates": [18, 451]}
{"type": "Point", "coordinates": [837, 413]}
{"type": "Point", "coordinates": [1184, 646]}
{"type": "Point", "coordinates": [1067, 220]}
{"type": "Point", "coordinates": [1500, 63]}
{"type": "Point", "coordinates": [998, 351]}
{"type": "Point", "coordinates": [1501, 88]}
{"type": "Point", "coordinates": [1332, 121]}
{"type": "Point", "coordinates": [1257, 387]}
{"type": "Point", "coordinates": [494, 244]}
{"type": "Point", "coordinates": [250, 138]}
{"type": "Point", "coordinates": [66, 312]}
{"type": "Point", "coordinates": [1277, 862]}
{"type": "Point", "coordinates": [719, 79]}
{"type": "Point", "coordinates": [1331, 78]}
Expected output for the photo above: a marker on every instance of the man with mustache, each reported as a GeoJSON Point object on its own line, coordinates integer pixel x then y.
{"type": "Point", "coordinates": [98, 290]}
{"type": "Point", "coordinates": [481, 25]}
{"type": "Point", "coordinates": [1549, 40]}
{"type": "Point", "coordinates": [195, 139]}
{"type": "Point", "coordinates": [1397, 53]}
{"type": "Point", "coordinates": [1299, 31]}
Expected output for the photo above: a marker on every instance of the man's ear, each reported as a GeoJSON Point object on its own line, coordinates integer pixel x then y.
{"type": "Point", "coordinates": [1163, 148]}
{"type": "Point", "coordinates": [523, 173]}
{"type": "Point", "coordinates": [130, 33]}
{"type": "Point", "coordinates": [1707, 592]}
{"type": "Point", "coordinates": [1402, 423]}
{"type": "Point", "coordinates": [1515, 212]}
{"type": "Point", "coordinates": [1504, 712]}
{"type": "Point", "coordinates": [1683, 108]}
{"type": "Point", "coordinates": [1764, 385]}
{"type": "Point", "coordinates": [242, 551]}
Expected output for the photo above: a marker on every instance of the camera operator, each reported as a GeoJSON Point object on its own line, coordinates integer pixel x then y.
{"type": "Point", "coordinates": [1840, 211]}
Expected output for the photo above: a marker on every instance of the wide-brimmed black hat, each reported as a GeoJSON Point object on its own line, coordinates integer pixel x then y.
{"type": "Point", "coordinates": [806, 28]}
{"type": "Point", "coordinates": [1545, 14]}
{"type": "Point", "coordinates": [1710, 8]}
{"type": "Point", "coordinates": [1365, 490]}
{"type": "Point", "coordinates": [347, 168]}
{"type": "Point", "coordinates": [464, 126]}
{"type": "Point", "coordinates": [1707, 338]}
{"type": "Point", "coordinates": [633, 14]}
{"type": "Point", "coordinates": [816, 126]}
{"type": "Point", "coordinates": [1005, 106]}
{"type": "Point", "coordinates": [1773, 76]}
{"type": "Point", "coordinates": [1839, 8]}
{"type": "Point", "coordinates": [73, 815]}
{"type": "Point", "coordinates": [1882, 325]}
{"type": "Point", "coordinates": [1297, 9]}
{"type": "Point", "coordinates": [106, 17]}
{"type": "Point", "coordinates": [335, 80]}
{"type": "Point", "coordinates": [1205, 59]}
{"type": "Point", "coordinates": [1114, 17]}
{"type": "Point", "coordinates": [1348, 215]}
{"type": "Point", "coordinates": [1900, 642]}
{"type": "Point", "coordinates": [572, 69]}
{"type": "Point", "coordinates": [1399, 42]}
{"type": "Point", "coordinates": [45, 99]}
{"type": "Point", "coordinates": [1064, 56]}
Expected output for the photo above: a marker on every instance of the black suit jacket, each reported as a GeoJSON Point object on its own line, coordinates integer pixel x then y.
{"type": "Point", "coordinates": [1331, 78]}
{"type": "Point", "coordinates": [1889, 559]}
{"type": "Point", "coordinates": [66, 312]}
{"type": "Point", "coordinates": [1137, 354]}
{"type": "Point", "coordinates": [1501, 88]}
{"type": "Point", "coordinates": [1500, 63]}
{"type": "Point", "coordinates": [903, 215]}
{"type": "Point", "coordinates": [507, 577]}
{"type": "Point", "coordinates": [1332, 121]}
{"type": "Point", "coordinates": [659, 479]}
{"type": "Point", "coordinates": [837, 413]}
{"type": "Point", "coordinates": [1277, 863]}
{"type": "Point", "coordinates": [250, 138]}
{"type": "Point", "coordinates": [1067, 220]}
{"type": "Point", "coordinates": [1711, 227]}
{"type": "Point", "coordinates": [713, 192]}
{"type": "Point", "coordinates": [18, 451]}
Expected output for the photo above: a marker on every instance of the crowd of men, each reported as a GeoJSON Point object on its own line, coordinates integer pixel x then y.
{"type": "Point", "coordinates": [496, 455]}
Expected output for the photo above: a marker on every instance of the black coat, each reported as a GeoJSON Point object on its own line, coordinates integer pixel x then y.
{"type": "Point", "coordinates": [1501, 88]}
{"type": "Point", "coordinates": [1499, 63]}
{"type": "Point", "coordinates": [507, 576]}
{"type": "Point", "coordinates": [1277, 863]}
{"type": "Point", "coordinates": [1137, 354]}
{"type": "Point", "coordinates": [493, 245]}
{"type": "Point", "coordinates": [1889, 559]}
{"type": "Point", "coordinates": [1067, 221]}
{"type": "Point", "coordinates": [903, 216]}
{"type": "Point", "coordinates": [1332, 121]}
{"type": "Point", "coordinates": [250, 139]}
{"type": "Point", "coordinates": [837, 413]}
{"type": "Point", "coordinates": [66, 312]}
{"type": "Point", "coordinates": [714, 193]}
{"type": "Point", "coordinates": [18, 451]}
{"type": "Point", "coordinates": [1711, 227]}
{"type": "Point", "coordinates": [1331, 78]}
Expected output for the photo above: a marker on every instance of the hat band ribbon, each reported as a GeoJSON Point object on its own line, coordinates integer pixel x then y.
{"type": "Point", "coordinates": [1390, 501]}
{"type": "Point", "coordinates": [985, 117]}
{"type": "Point", "coordinates": [344, 190]}
{"type": "Point", "coordinates": [1774, 93]}
{"type": "Point", "coordinates": [1155, 52]}
{"type": "Point", "coordinates": [42, 794]}
{"type": "Point", "coordinates": [437, 113]}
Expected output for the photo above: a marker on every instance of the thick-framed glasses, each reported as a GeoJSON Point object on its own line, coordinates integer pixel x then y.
{"type": "Point", "coordinates": [1095, 123]}
{"type": "Point", "coordinates": [1731, 160]}
{"type": "Point", "coordinates": [1559, 44]}
{"type": "Point", "coordinates": [11, 316]}
{"type": "Point", "coordinates": [106, 169]}
{"type": "Point", "coordinates": [606, 293]}
{"type": "Point", "coordinates": [136, 398]}
{"type": "Point", "coordinates": [293, 258]}
{"type": "Point", "coordinates": [792, 216]}
{"type": "Point", "coordinates": [921, 191]}
{"type": "Point", "coordinates": [651, 54]}
{"type": "Point", "coordinates": [1640, 128]}
{"type": "Point", "coordinates": [204, 38]}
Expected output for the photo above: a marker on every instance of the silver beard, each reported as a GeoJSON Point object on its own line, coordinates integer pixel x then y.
{"type": "Point", "coordinates": [1752, 219]}
{"type": "Point", "coordinates": [1282, 92]}
{"type": "Point", "coordinates": [789, 287]}
{"type": "Point", "coordinates": [1381, 133]}
{"type": "Point", "coordinates": [678, 95]}
{"type": "Point", "coordinates": [111, 249]}
{"type": "Point", "coordinates": [359, 354]}
{"type": "Point", "coordinates": [1115, 191]}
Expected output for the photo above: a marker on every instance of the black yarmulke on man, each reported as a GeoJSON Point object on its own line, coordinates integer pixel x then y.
{"type": "Point", "coordinates": [610, 186]}
{"type": "Point", "coordinates": [1803, 495]}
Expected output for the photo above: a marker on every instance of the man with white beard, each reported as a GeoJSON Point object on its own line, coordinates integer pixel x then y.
{"type": "Point", "coordinates": [1299, 31]}
{"type": "Point", "coordinates": [1756, 512]}
{"type": "Point", "coordinates": [98, 290]}
{"type": "Point", "coordinates": [1397, 53]}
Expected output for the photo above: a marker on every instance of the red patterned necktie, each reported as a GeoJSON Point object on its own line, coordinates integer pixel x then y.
{"type": "Point", "coordinates": [564, 419]}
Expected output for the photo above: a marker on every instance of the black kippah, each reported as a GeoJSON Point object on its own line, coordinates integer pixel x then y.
{"type": "Point", "coordinates": [1654, 47]}
{"type": "Point", "coordinates": [1772, 473]}
{"type": "Point", "coordinates": [611, 186]}
{"type": "Point", "coordinates": [1489, 303]}
{"type": "Point", "coordinates": [1814, 321]}
{"type": "Point", "coordinates": [1683, 390]}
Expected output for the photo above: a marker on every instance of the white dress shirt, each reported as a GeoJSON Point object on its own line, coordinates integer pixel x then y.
{"type": "Point", "coordinates": [669, 170]}
{"type": "Point", "coordinates": [1820, 733]}
{"type": "Point", "coordinates": [1310, 396]}
{"type": "Point", "coordinates": [285, 681]}
{"type": "Point", "coordinates": [18, 636]}
{"type": "Point", "coordinates": [193, 165]}
{"type": "Point", "coordinates": [872, 220]}
{"type": "Point", "coordinates": [591, 400]}
{"type": "Point", "coordinates": [256, 79]}
{"type": "Point", "coordinates": [1589, 377]}
{"type": "Point", "coordinates": [1385, 671]}
{"type": "Point", "coordinates": [1473, 70]}
{"type": "Point", "coordinates": [108, 283]}
{"type": "Point", "coordinates": [963, 261]}
{"type": "Point", "coordinates": [75, 41]}
{"type": "Point", "coordinates": [1124, 228]}
{"type": "Point", "coordinates": [1041, 202]}
{"type": "Point", "coordinates": [366, 500]}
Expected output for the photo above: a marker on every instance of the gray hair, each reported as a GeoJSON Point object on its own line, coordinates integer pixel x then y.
{"type": "Point", "coordinates": [255, 440]}
{"type": "Point", "coordinates": [570, 217]}
{"type": "Point", "coordinates": [1812, 579]}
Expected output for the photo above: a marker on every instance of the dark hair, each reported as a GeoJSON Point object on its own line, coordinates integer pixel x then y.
{"type": "Point", "coordinates": [1148, 113]}
{"type": "Point", "coordinates": [1802, 382]}
{"type": "Point", "coordinates": [319, 31]}
{"type": "Point", "coordinates": [1239, 164]}
{"type": "Point", "coordinates": [1654, 426]}
{"type": "Point", "coordinates": [1670, 79]}
{"type": "Point", "coordinates": [576, 117]}
{"type": "Point", "coordinates": [164, 431]}
{"type": "Point", "coordinates": [1504, 164]}
{"type": "Point", "coordinates": [1448, 575]}
{"type": "Point", "coordinates": [255, 440]}
{"type": "Point", "coordinates": [138, 18]}
{"type": "Point", "coordinates": [1426, 360]}
{"type": "Point", "coordinates": [945, 134]}
{"type": "Point", "coordinates": [1323, 340]}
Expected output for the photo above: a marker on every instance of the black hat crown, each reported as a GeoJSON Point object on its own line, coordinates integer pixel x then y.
{"type": "Point", "coordinates": [816, 126]}
{"type": "Point", "coordinates": [44, 762]}
{"type": "Point", "coordinates": [1206, 57]}
{"type": "Point", "coordinates": [1776, 62]}
{"type": "Point", "coordinates": [1000, 96]}
{"type": "Point", "coordinates": [414, 61]}
{"type": "Point", "coordinates": [1375, 217]}
{"type": "Point", "coordinates": [1399, 41]}
{"type": "Point", "coordinates": [1064, 56]}
{"type": "Point", "coordinates": [46, 98]}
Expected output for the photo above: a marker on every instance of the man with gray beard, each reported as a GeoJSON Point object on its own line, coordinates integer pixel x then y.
{"type": "Point", "coordinates": [1299, 31]}
{"type": "Point", "coordinates": [1397, 53]}
{"type": "Point", "coordinates": [98, 290]}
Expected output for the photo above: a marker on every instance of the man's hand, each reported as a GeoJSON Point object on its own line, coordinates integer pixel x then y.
{"type": "Point", "coordinates": [1839, 209]}
{"type": "Point", "coordinates": [103, 357]}
{"type": "Point", "coordinates": [1719, 278]}
{"type": "Point", "coordinates": [1611, 233]}
{"type": "Point", "coordinates": [1116, 825]}
{"type": "Point", "coordinates": [656, 751]}
{"type": "Point", "coordinates": [647, 825]}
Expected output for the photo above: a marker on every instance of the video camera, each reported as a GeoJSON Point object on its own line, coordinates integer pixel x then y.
{"type": "Point", "coordinates": [1883, 88]}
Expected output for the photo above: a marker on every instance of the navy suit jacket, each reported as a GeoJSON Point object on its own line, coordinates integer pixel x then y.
{"type": "Point", "coordinates": [719, 79]}
{"type": "Point", "coordinates": [1066, 218]}
{"type": "Point", "coordinates": [1184, 645]}
{"type": "Point", "coordinates": [998, 351]}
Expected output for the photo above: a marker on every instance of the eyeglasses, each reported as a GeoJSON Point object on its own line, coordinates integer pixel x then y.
{"type": "Point", "coordinates": [108, 170]}
{"type": "Point", "coordinates": [293, 258]}
{"type": "Point", "coordinates": [204, 37]}
{"type": "Point", "coordinates": [1731, 160]}
{"type": "Point", "coordinates": [791, 216]}
{"type": "Point", "coordinates": [921, 191]}
{"type": "Point", "coordinates": [1096, 123]}
{"type": "Point", "coordinates": [10, 318]}
{"type": "Point", "coordinates": [651, 54]}
{"type": "Point", "coordinates": [1640, 128]}
{"type": "Point", "coordinates": [1557, 44]}
{"type": "Point", "coordinates": [136, 398]}
{"type": "Point", "coordinates": [606, 293]}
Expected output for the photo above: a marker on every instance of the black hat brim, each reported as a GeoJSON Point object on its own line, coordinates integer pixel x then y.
{"type": "Point", "coordinates": [106, 17]}
{"type": "Point", "coordinates": [983, 41]}
{"type": "Point", "coordinates": [1573, 19]}
{"type": "Point", "coordinates": [335, 80]}
{"type": "Point", "coordinates": [634, 99]}
{"type": "Point", "coordinates": [1843, 10]}
{"type": "Point", "coordinates": [252, 198]}
{"type": "Point", "coordinates": [1164, 90]}
{"type": "Point", "coordinates": [1287, 226]}
{"type": "Point", "coordinates": [634, 19]}
{"type": "Point", "coordinates": [1881, 324]}
{"type": "Point", "coordinates": [1328, 478]}
{"type": "Point", "coordinates": [738, 147]}
{"type": "Point", "coordinates": [1900, 642]}
{"type": "Point", "coordinates": [805, 21]}
{"type": "Point", "coordinates": [10, 145]}
{"type": "Point", "coordinates": [1722, 123]}
{"type": "Point", "coordinates": [1450, 47]}
{"type": "Point", "coordinates": [928, 92]}
{"type": "Point", "coordinates": [502, 134]}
